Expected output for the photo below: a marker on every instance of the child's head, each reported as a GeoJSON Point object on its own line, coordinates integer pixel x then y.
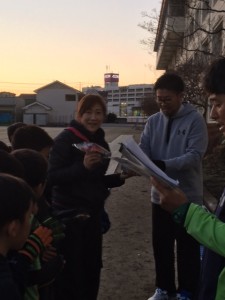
{"type": "Point", "coordinates": [32, 137]}
{"type": "Point", "coordinates": [35, 168]}
{"type": "Point", "coordinates": [16, 204]}
{"type": "Point", "coordinates": [9, 164]}
{"type": "Point", "coordinates": [4, 147]}
{"type": "Point", "coordinates": [12, 128]}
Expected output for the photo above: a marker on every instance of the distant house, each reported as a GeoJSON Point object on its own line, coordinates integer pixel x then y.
{"type": "Point", "coordinates": [36, 113]}
{"type": "Point", "coordinates": [10, 108]}
{"type": "Point", "coordinates": [28, 98]}
{"type": "Point", "coordinates": [55, 105]}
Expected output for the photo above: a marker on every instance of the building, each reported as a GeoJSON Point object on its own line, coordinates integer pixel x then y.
{"type": "Point", "coordinates": [10, 108]}
{"type": "Point", "coordinates": [55, 105]}
{"type": "Point", "coordinates": [124, 101]}
{"type": "Point", "coordinates": [190, 34]}
{"type": "Point", "coordinates": [189, 30]}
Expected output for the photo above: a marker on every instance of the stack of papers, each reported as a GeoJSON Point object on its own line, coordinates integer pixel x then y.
{"type": "Point", "coordinates": [134, 159]}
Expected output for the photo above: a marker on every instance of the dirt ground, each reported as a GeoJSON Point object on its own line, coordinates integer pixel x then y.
{"type": "Point", "coordinates": [128, 265]}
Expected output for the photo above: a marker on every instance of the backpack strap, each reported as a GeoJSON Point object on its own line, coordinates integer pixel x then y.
{"type": "Point", "coordinates": [77, 133]}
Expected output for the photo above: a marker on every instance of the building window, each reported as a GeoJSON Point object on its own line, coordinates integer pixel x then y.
{"type": "Point", "coordinates": [70, 97]}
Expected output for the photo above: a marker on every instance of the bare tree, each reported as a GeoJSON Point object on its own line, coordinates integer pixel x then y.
{"type": "Point", "coordinates": [149, 105]}
{"type": "Point", "coordinates": [194, 11]}
{"type": "Point", "coordinates": [191, 74]}
{"type": "Point", "coordinates": [194, 55]}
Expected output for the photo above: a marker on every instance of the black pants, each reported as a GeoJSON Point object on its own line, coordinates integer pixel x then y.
{"type": "Point", "coordinates": [82, 250]}
{"type": "Point", "coordinates": [164, 233]}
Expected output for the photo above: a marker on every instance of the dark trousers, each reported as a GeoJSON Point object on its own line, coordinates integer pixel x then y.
{"type": "Point", "coordinates": [82, 250]}
{"type": "Point", "coordinates": [164, 234]}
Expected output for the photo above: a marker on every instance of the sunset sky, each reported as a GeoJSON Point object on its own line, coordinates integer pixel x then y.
{"type": "Point", "coordinates": [73, 41]}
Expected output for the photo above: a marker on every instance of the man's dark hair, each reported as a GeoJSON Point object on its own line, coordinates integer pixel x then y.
{"type": "Point", "coordinates": [12, 128]}
{"type": "Point", "coordinates": [170, 81]}
{"type": "Point", "coordinates": [31, 137]}
{"type": "Point", "coordinates": [10, 165]}
{"type": "Point", "coordinates": [35, 165]}
{"type": "Point", "coordinates": [15, 200]}
{"type": "Point", "coordinates": [214, 78]}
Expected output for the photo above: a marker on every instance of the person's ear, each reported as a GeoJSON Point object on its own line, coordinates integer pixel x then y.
{"type": "Point", "coordinates": [39, 189]}
{"type": "Point", "coordinates": [13, 228]}
{"type": "Point", "coordinates": [181, 95]}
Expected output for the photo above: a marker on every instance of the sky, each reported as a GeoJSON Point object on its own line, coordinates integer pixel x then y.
{"type": "Point", "coordinates": [73, 41]}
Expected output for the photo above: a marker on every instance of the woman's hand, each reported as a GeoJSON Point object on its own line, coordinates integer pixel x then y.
{"type": "Point", "coordinates": [170, 197]}
{"type": "Point", "coordinates": [91, 159]}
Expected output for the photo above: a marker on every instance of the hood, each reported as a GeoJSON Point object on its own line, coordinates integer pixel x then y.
{"type": "Point", "coordinates": [185, 109]}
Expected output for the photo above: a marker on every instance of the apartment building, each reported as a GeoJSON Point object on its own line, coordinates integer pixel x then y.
{"type": "Point", "coordinates": [190, 34]}
{"type": "Point", "coordinates": [124, 101]}
{"type": "Point", "coordinates": [189, 30]}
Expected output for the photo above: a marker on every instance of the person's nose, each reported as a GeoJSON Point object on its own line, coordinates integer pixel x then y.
{"type": "Point", "coordinates": [213, 113]}
{"type": "Point", "coordinates": [93, 116]}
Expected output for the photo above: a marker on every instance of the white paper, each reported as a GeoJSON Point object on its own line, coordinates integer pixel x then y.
{"type": "Point", "coordinates": [140, 163]}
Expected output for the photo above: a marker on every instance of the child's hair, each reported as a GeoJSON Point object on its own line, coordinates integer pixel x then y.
{"type": "Point", "coordinates": [35, 165]}
{"type": "Point", "coordinates": [170, 81]}
{"type": "Point", "coordinates": [12, 128]}
{"type": "Point", "coordinates": [31, 137]}
{"type": "Point", "coordinates": [4, 147]}
{"type": "Point", "coordinates": [88, 101]}
{"type": "Point", "coordinates": [214, 78]}
{"type": "Point", "coordinates": [16, 198]}
{"type": "Point", "coordinates": [10, 165]}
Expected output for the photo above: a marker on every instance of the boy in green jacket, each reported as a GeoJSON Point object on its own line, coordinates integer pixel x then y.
{"type": "Point", "coordinates": [206, 228]}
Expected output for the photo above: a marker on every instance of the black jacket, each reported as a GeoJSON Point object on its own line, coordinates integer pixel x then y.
{"type": "Point", "coordinates": [75, 187]}
{"type": "Point", "coordinates": [8, 288]}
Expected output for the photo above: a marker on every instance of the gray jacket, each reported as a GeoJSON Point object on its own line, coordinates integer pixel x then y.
{"type": "Point", "coordinates": [181, 148]}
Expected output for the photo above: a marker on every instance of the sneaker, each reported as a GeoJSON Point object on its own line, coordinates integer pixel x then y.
{"type": "Point", "coordinates": [184, 295]}
{"type": "Point", "coordinates": [159, 295]}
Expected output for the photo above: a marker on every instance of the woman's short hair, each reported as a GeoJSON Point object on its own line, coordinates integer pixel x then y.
{"type": "Point", "coordinates": [88, 101]}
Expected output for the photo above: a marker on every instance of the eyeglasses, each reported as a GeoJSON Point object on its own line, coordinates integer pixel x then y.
{"type": "Point", "coordinates": [161, 100]}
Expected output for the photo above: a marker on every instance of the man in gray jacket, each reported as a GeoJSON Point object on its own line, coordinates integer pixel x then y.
{"type": "Point", "coordinates": [175, 139]}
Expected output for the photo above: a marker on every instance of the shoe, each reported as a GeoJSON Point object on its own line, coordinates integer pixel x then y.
{"type": "Point", "coordinates": [183, 295]}
{"type": "Point", "coordinates": [160, 295]}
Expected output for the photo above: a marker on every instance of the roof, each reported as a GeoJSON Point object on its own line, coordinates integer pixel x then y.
{"type": "Point", "coordinates": [27, 96]}
{"type": "Point", "coordinates": [38, 104]}
{"type": "Point", "coordinates": [56, 84]}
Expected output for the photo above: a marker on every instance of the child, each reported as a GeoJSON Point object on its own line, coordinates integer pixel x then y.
{"type": "Point", "coordinates": [15, 215]}
{"type": "Point", "coordinates": [32, 137]}
{"type": "Point", "coordinates": [43, 270]}
{"type": "Point", "coordinates": [10, 165]}
{"type": "Point", "coordinates": [12, 128]}
{"type": "Point", "coordinates": [4, 147]}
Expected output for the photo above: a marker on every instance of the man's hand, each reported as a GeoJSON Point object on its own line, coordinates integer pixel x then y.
{"type": "Point", "coordinates": [170, 198]}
